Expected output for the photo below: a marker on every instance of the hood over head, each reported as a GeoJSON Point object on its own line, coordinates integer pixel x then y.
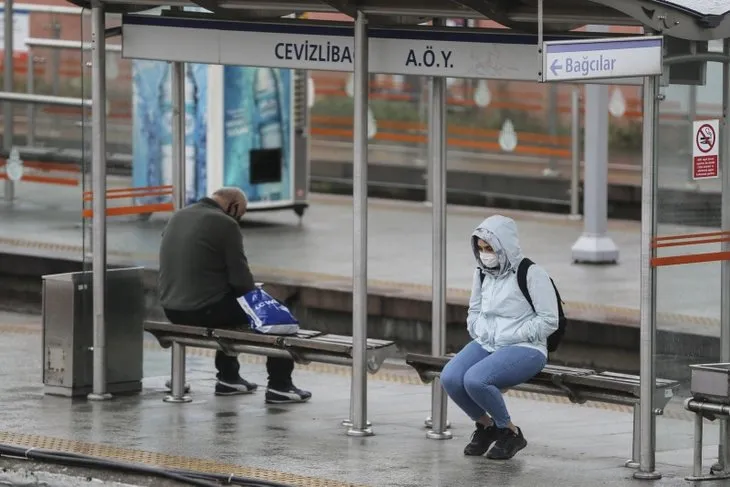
{"type": "Point", "coordinates": [500, 232]}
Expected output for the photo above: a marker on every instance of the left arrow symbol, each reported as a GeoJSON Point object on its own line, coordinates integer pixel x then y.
{"type": "Point", "coordinates": [555, 67]}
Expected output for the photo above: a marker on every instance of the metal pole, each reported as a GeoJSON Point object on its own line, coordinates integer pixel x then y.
{"type": "Point", "coordinates": [177, 79]}
{"type": "Point", "coordinates": [724, 451]}
{"type": "Point", "coordinates": [594, 245]}
{"type": "Point", "coordinates": [30, 138]}
{"type": "Point", "coordinates": [55, 55]}
{"type": "Point", "coordinates": [692, 114]}
{"type": "Point", "coordinates": [437, 162]}
{"type": "Point", "coordinates": [98, 173]}
{"type": "Point", "coordinates": [424, 110]}
{"type": "Point", "coordinates": [575, 153]}
{"type": "Point", "coordinates": [648, 281]}
{"type": "Point", "coordinates": [551, 170]}
{"type": "Point", "coordinates": [64, 101]}
{"type": "Point", "coordinates": [57, 44]}
{"type": "Point", "coordinates": [8, 86]}
{"type": "Point", "coordinates": [360, 232]}
{"type": "Point", "coordinates": [177, 381]}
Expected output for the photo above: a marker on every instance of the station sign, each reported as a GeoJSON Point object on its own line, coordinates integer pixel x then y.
{"type": "Point", "coordinates": [606, 58]}
{"type": "Point", "coordinates": [329, 46]}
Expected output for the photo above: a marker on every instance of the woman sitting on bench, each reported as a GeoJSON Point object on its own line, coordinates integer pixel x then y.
{"type": "Point", "coordinates": [509, 344]}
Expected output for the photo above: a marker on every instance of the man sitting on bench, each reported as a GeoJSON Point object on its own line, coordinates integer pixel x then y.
{"type": "Point", "coordinates": [203, 270]}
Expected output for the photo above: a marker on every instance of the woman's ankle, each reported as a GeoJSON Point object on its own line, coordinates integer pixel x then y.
{"type": "Point", "coordinates": [485, 421]}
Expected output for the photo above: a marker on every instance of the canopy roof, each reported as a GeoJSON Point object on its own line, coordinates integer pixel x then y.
{"type": "Point", "coordinates": [684, 19]}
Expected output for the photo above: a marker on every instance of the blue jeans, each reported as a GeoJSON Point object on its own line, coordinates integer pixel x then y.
{"type": "Point", "coordinates": [474, 377]}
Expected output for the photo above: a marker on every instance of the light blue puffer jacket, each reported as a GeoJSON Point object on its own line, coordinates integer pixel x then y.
{"type": "Point", "coordinates": [499, 315]}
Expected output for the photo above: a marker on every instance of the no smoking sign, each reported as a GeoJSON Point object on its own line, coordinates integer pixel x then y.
{"type": "Point", "coordinates": [705, 150]}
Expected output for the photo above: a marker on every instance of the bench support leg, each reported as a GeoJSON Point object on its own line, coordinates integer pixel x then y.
{"type": "Point", "coordinates": [439, 404]}
{"type": "Point", "coordinates": [635, 439]}
{"type": "Point", "coordinates": [722, 464]}
{"type": "Point", "coordinates": [697, 463]}
{"type": "Point", "coordinates": [428, 423]}
{"type": "Point", "coordinates": [177, 379]}
{"type": "Point", "coordinates": [348, 422]}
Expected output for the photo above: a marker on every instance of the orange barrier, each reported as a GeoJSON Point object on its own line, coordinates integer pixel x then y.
{"type": "Point", "coordinates": [125, 193]}
{"type": "Point", "coordinates": [690, 239]}
{"type": "Point", "coordinates": [463, 137]}
{"type": "Point", "coordinates": [47, 167]}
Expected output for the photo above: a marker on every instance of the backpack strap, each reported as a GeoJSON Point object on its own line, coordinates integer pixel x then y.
{"type": "Point", "coordinates": [525, 264]}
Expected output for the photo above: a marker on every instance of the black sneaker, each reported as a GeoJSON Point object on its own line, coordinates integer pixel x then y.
{"type": "Point", "coordinates": [507, 445]}
{"type": "Point", "coordinates": [289, 395]}
{"type": "Point", "coordinates": [168, 384]}
{"type": "Point", "coordinates": [481, 440]}
{"type": "Point", "coordinates": [232, 388]}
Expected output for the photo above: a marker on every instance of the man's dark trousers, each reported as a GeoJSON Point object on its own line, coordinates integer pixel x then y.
{"type": "Point", "coordinates": [227, 313]}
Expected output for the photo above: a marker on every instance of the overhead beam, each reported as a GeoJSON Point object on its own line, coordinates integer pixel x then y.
{"type": "Point", "coordinates": [663, 19]}
{"type": "Point", "coordinates": [343, 6]}
{"type": "Point", "coordinates": [499, 11]}
{"type": "Point", "coordinates": [237, 14]}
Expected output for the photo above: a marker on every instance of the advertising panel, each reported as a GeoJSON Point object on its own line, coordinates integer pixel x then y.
{"type": "Point", "coordinates": [239, 131]}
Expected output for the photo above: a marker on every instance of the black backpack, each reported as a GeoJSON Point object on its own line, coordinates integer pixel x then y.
{"type": "Point", "coordinates": [554, 339]}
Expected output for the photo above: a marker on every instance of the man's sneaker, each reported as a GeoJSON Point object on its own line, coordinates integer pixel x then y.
{"type": "Point", "coordinates": [168, 384]}
{"type": "Point", "coordinates": [232, 388]}
{"type": "Point", "coordinates": [286, 396]}
{"type": "Point", "coordinates": [481, 440]}
{"type": "Point", "coordinates": [507, 445]}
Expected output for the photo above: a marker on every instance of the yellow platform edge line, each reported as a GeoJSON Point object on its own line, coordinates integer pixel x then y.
{"type": "Point", "coordinates": [164, 460]}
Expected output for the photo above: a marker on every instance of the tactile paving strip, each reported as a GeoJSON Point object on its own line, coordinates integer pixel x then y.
{"type": "Point", "coordinates": [163, 460]}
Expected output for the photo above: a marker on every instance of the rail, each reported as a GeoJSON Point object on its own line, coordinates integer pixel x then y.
{"type": "Point", "coordinates": [67, 44]}
{"type": "Point", "coordinates": [49, 9]}
{"type": "Point", "coordinates": [47, 167]}
{"type": "Point", "coordinates": [134, 194]}
{"type": "Point", "coordinates": [63, 101]}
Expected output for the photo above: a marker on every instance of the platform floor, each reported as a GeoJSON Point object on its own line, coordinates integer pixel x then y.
{"type": "Point", "coordinates": [305, 445]}
{"type": "Point", "coordinates": [47, 220]}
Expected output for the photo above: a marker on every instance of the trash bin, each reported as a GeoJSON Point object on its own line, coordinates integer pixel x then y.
{"type": "Point", "coordinates": [68, 332]}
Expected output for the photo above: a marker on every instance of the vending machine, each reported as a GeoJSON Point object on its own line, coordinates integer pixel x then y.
{"type": "Point", "coordinates": [245, 127]}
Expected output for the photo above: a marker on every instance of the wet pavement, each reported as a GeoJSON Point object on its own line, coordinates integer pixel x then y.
{"type": "Point", "coordinates": [305, 444]}
{"type": "Point", "coordinates": [46, 220]}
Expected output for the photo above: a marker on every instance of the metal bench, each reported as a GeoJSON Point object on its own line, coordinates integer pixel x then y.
{"type": "Point", "coordinates": [306, 347]}
{"type": "Point", "coordinates": [710, 399]}
{"type": "Point", "coordinates": [578, 385]}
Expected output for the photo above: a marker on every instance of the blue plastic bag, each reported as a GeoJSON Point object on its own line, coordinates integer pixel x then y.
{"type": "Point", "coordinates": [267, 315]}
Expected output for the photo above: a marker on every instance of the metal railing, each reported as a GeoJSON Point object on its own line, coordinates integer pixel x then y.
{"type": "Point", "coordinates": [32, 60]}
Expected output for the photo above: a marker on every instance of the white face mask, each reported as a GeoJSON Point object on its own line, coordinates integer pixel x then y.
{"type": "Point", "coordinates": [489, 259]}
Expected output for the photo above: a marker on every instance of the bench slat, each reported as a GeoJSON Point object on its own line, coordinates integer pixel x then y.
{"type": "Point", "coordinates": [373, 343]}
{"type": "Point", "coordinates": [157, 327]}
{"type": "Point", "coordinates": [245, 335]}
{"type": "Point", "coordinates": [621, 385]}
{"type": "Point", "coordinates": [437, 363]}
{"type": "Point", "coordinates": [338, 344]}
{"type": "Point", "coordinates": [306, 342]}
{"type": "Point", "coordinates": [233, 332]}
